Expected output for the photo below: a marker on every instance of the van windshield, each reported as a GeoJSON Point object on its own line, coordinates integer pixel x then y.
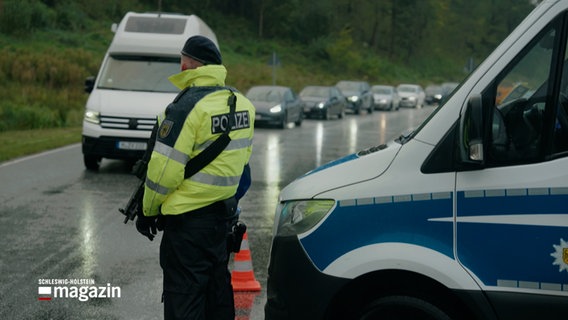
{"type": "Point", "coordinates": [136, 73]}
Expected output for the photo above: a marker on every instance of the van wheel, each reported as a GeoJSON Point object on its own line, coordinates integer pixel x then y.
{"type": "Point", "coordinates": [92, 162]}
{"type": "Point", "coordinates": [402, 308]}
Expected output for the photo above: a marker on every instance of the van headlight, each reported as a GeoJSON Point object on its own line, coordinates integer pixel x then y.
{"type": "Point", "coordinates": [300, 216]}
{"type": "Point", "coordinates": [92, 117]}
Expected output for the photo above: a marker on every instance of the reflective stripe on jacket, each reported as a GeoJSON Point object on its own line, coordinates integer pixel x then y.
{"type": "Point", "coordinates": [192, 122]}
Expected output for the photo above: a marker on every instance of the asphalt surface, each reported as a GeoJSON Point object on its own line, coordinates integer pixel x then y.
{"type": "Point", "coordinates": [60, 224]}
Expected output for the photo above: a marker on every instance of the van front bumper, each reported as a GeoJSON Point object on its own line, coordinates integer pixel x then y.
{"type": "Point", "coordinates": [110, 147]}
{"type": "Point", "coordinates": [296, 289]}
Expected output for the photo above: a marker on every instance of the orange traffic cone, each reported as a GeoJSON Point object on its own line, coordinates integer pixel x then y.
{"type": "Point", "coordinates": [242, 277]}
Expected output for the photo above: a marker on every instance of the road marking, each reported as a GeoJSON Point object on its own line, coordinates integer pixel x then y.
{"type": "Point", "coordinates": [37, 155]}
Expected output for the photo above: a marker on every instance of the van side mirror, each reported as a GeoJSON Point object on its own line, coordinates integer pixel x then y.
{"type": "Point", "coordinates": [471, 132]}
{"type": "Point", "coordinates": [89, 84]}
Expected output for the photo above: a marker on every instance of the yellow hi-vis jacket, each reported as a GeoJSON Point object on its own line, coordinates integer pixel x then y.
{"type": "Point", "coordinates": [192, 122]}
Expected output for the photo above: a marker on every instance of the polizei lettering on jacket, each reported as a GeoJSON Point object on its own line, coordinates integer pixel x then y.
{"type": "Point", "coordinates": [220, 123]}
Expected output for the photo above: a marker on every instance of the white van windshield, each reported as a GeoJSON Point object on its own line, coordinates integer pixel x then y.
{"type": "Point", "coordinates": [135, 73]}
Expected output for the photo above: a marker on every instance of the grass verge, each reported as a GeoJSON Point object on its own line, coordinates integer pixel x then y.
{"type": "Point", "coordinates": [19, 143]}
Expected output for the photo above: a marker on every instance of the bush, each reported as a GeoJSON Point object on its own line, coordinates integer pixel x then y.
{"type": "Point", "coordinates": [14, 117]}
{"type": "Point", "coordinates": [52, 68]}
{"type": "Point", "coordinates": [43, 89]}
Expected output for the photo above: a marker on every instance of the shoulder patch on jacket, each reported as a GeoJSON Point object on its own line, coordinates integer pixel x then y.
{"type": "Point", "coordinates": [165, 128]}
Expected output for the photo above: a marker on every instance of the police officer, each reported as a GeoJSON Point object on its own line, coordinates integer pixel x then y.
{"type": "Point", "coordinates": [196, 211]}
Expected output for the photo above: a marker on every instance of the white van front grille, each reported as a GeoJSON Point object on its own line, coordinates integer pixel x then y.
{"type": "Point", "coordinates": [143, 124]}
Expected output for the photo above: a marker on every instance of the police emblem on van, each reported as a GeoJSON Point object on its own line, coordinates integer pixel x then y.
{"type": "Point", "coordinates": [165, 128]}
{"type": "Point", "coordinates": [561, 255]}
{"type": "Point", "coordinates": [220, 123]}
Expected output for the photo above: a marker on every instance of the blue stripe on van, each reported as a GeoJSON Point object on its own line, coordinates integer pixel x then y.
{"type": "Point", "coordinates": [360, 222]}
{"type": "Point", "coordinates": [507, 238]}
{"type": "Point", "coordinates": [522, 252]}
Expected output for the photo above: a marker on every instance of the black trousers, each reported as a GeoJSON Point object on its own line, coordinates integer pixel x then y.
{"type": "Point", "coordinates": [194, 260]}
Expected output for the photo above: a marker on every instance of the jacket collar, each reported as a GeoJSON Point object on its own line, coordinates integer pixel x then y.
{"type": "Point", "coordinates": [208, 75]}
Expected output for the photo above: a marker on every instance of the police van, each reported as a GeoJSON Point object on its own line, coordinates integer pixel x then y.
{"type": "Point", "coordinates": [464, 218]}
{"type": "Point", "coordinates": [132, 85]}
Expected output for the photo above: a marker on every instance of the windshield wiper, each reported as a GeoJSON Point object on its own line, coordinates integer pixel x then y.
{"type": "Point", "coordinates": [405, 136]}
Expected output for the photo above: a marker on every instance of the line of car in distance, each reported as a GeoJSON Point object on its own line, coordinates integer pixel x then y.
{"type": "Point", "coordinates": [406, 95]}
{"type": "Point", "coordinates": [280, 105]}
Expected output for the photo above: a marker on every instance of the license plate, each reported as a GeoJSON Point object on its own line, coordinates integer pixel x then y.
{"type": "Point", "coordinates": [131, 145]}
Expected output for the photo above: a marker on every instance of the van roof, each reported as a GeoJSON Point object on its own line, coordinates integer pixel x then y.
{"type": "Point", "coordinates": [157, 33]}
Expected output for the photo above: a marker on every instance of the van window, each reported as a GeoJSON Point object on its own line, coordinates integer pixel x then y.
{"type": "Point", "coordinates": [560, 135]}
{"type": "Point", "coordinates": [155, 25]}
{"type": "Point", "coordinates": [135, 73]}
{"type": "Point", "coordinates": [521, 96]}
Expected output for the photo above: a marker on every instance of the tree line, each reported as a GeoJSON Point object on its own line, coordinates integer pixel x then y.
{"type": "Point", "coordinates": [399, 29]}
{"type": "Point", "coordinates": [403, 30]}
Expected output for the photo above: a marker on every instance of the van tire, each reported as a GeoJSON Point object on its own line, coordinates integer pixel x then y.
{"type": "Point", "coordinates": [92, 163]}
{"type": "Point", "coordinates": [402, 307]}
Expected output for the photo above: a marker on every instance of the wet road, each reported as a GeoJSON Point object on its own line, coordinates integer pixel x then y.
{"type": "Point", "coordinates": [61, 228]}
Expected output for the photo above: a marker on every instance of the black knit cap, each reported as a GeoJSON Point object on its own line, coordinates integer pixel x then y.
{"type": "Point", "coordinates": [202, 49]}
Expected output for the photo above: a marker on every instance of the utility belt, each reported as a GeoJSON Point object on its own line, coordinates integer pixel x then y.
{"type": "Point", "coordinates": [212, 215]}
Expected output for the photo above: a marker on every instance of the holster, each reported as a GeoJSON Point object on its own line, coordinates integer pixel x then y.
{"type": "Point", "coordinates": [235, 236]}
{"type": "Point", "coordinates": [237, 228]}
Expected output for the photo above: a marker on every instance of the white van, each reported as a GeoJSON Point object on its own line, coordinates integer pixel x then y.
{"type": "Point", "coordinates": [132, 85]}
{"type": "Point", "coordinates": [465, 218]}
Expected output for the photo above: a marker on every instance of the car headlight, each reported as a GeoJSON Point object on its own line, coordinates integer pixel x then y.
{"type": "Point", "coordinates": [353, 98]}
{"type": "Point", "coordinates": [92, 116]}
{"type": "Point", "coordinates": [276, 109]}
{"type": "Point", "coordinates": [321, 105]}
{"type": "Point", "coordinates": [300, 216]}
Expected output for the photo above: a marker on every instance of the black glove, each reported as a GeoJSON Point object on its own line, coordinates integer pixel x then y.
{"type": "Point", "coordinates": [146, 226]}
{"type": "Point", "coordinates": [139, 169]}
